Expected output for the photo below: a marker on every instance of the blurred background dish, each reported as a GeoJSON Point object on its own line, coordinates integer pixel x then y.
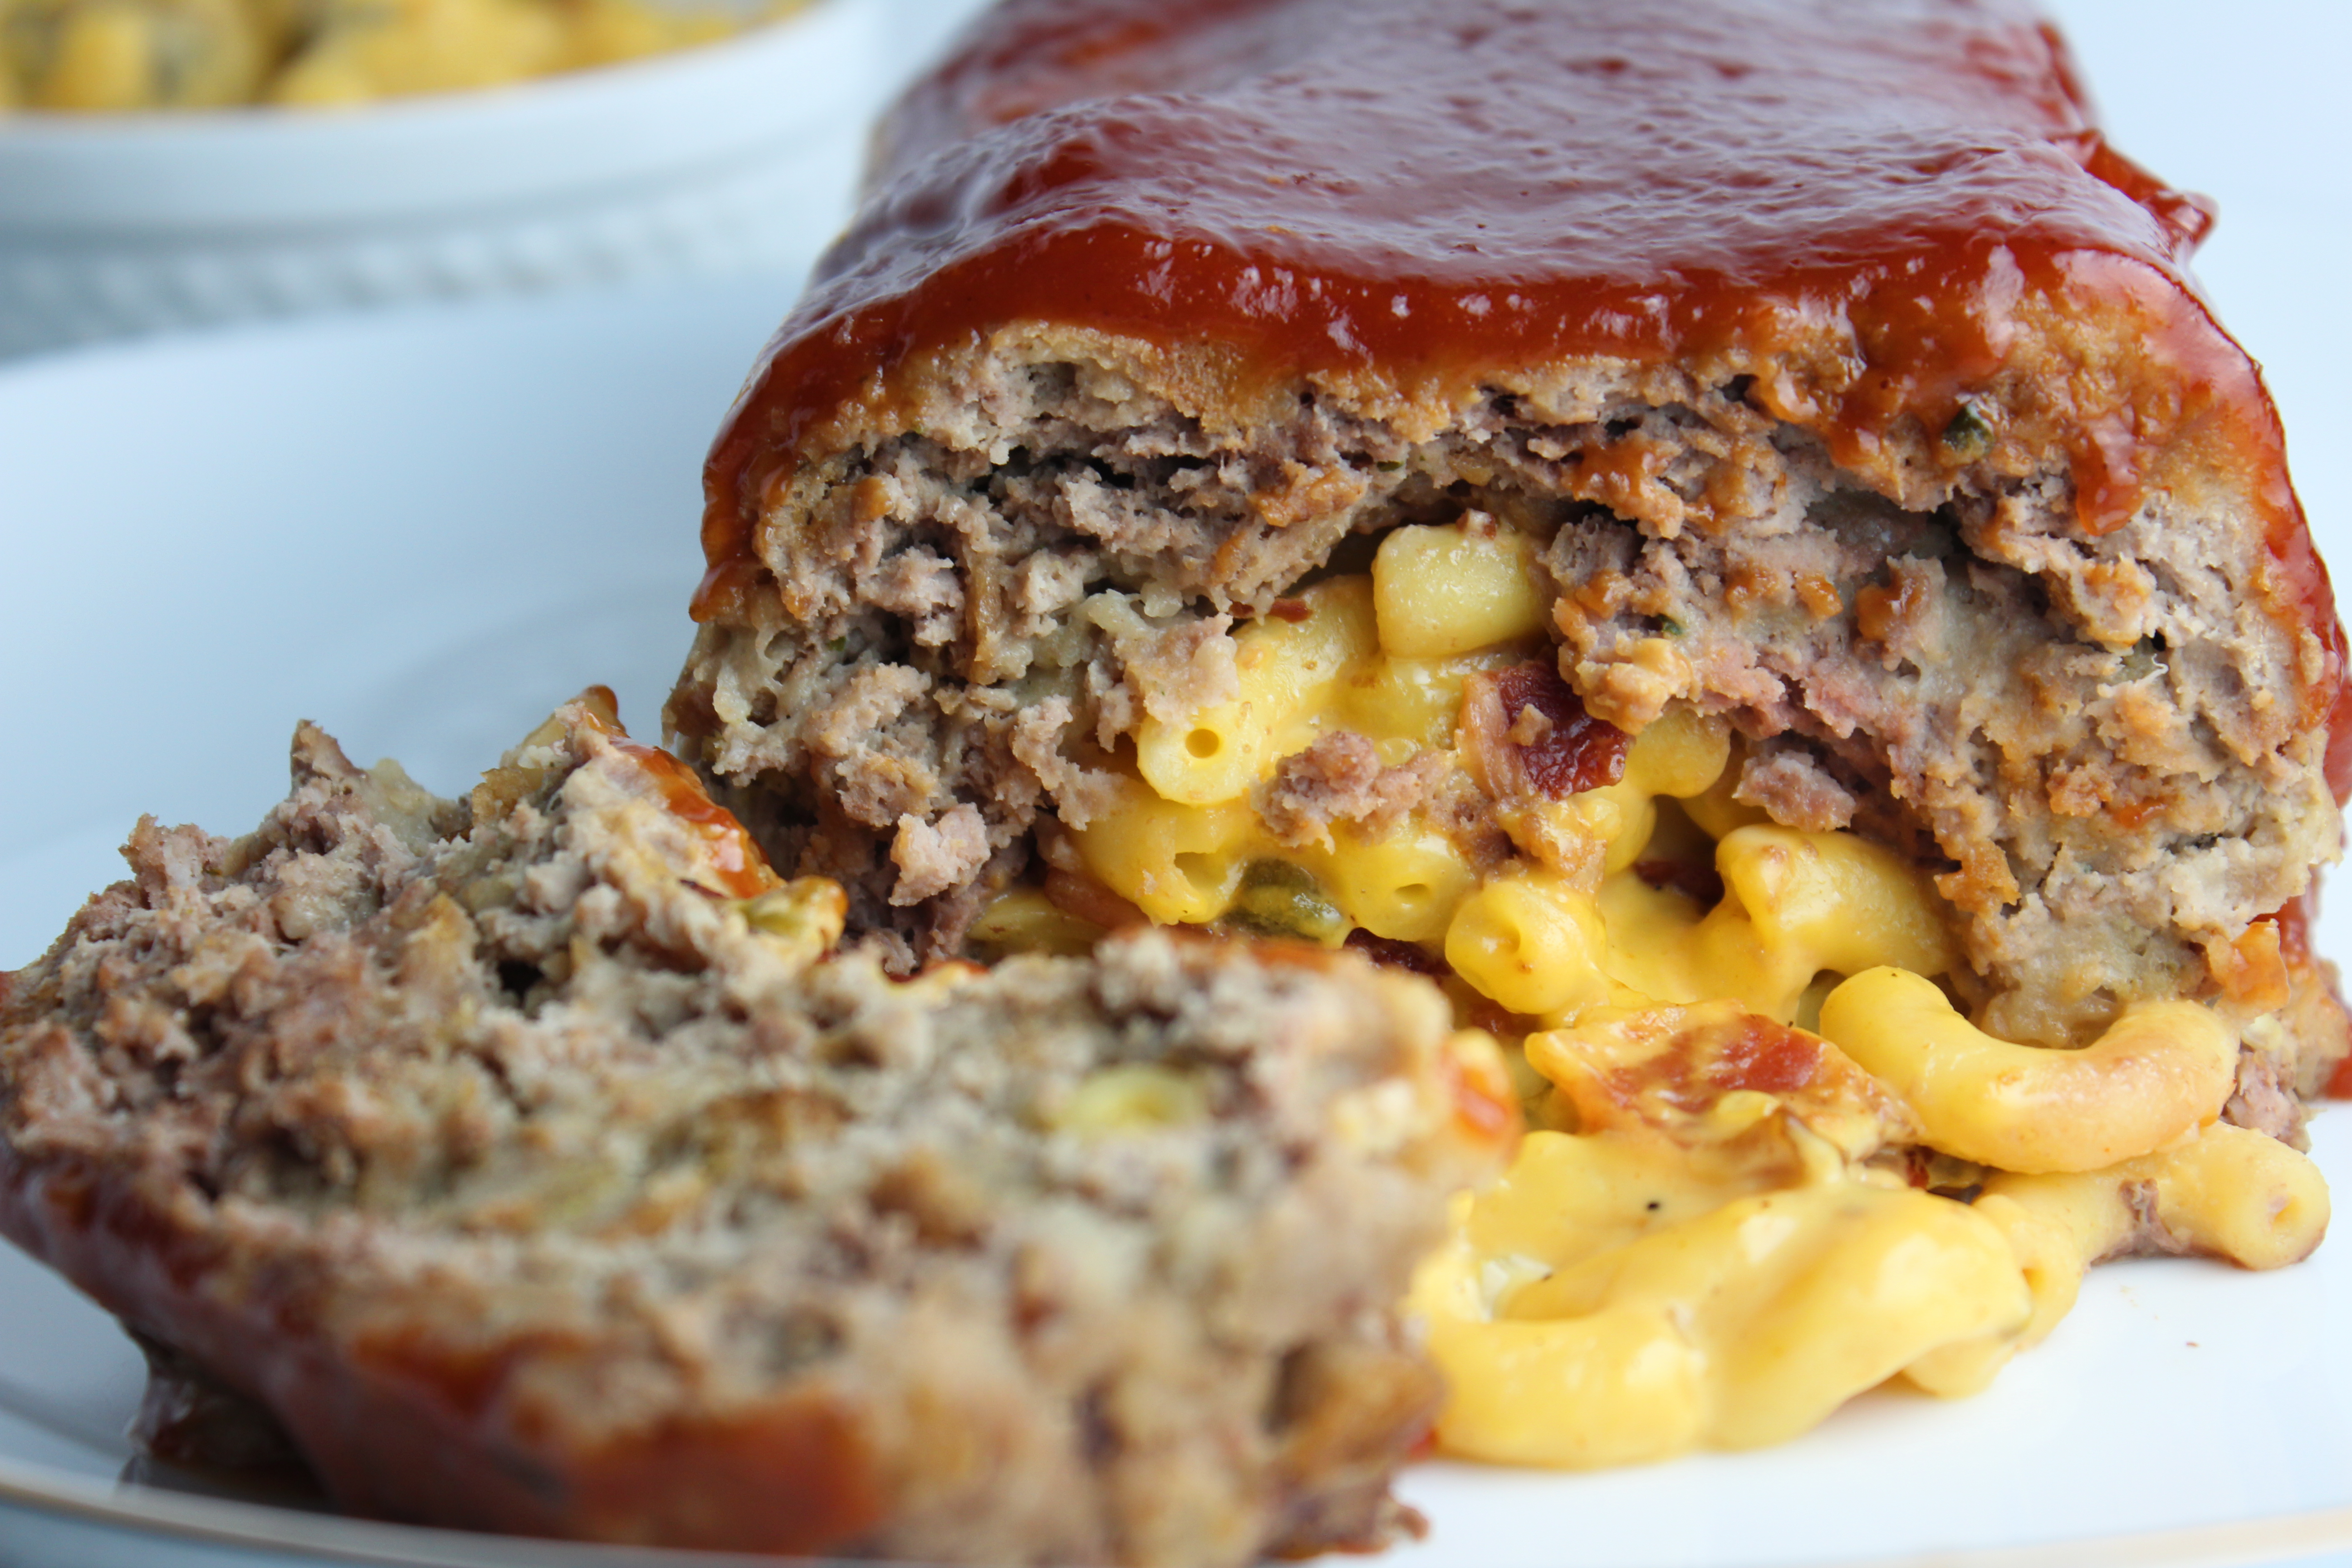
{"type": "Point", "coordinates": [101, 57]}
{"type": "Point", "coordinates": [721, 158]}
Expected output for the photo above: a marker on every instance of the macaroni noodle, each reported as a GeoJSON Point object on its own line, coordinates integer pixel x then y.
{"type": "Point", "coordinates": [2226, 1191]}
{"type": "Point", "coordinates": [1707, 1261]}
{"type": "Point", "coordinates": [1717, 1234]}
{"type": "Point", "coordinates": [2161, 1070]}
{"type": "Point", "coordinates": [1449, 590]}
{"type": "Point", "coordinates": [1529, 941]}
{"type": "Point", "coordinates": [1744, 1326]}
{"type": "Point", "coordinates": [1302, 678]}
{"type": "Point", "coordinates": [1795, 905]}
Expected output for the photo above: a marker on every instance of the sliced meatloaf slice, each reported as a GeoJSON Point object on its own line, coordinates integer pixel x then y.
{"type": "Point", "coordinates": [1842, 381]}
{"type": "Point", "coordinates": [529, 1159]}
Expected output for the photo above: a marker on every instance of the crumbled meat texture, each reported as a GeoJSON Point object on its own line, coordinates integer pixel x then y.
{"type": "Point", "coordinates": [531, 1187]}
{"type": "Point", "coordinates": [1080, 791]}
{"type": "Point", "coordinates": [2264, 1100]}
{"type": "Point", "coordinates": [1339, 778]}
{"type": "Point", "coordinates": [1796, 790]}
{"type": "Point", "coordinates": [1175, 671]}
{"type": "Point", "coordinates": [2098, 744]}
{"type": "Point", "coordinates": [933, 857]}
{"type": "Point", "coordinates": [2148, 1236]}
{"type": "Point", "coordinates": [2316, 1033]}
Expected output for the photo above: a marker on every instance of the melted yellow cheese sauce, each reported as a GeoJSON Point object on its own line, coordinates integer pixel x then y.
{"type": "Point", "coordinates": [1721, 1225]}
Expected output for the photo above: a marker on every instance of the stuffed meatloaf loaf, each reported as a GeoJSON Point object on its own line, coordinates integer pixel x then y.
{"type": "Point", "coordinates": [1716, 535]}
{"type": "Point", "coordinates": [1804, 380]}
{"type": "Point", "coordinates": [528, 1158]}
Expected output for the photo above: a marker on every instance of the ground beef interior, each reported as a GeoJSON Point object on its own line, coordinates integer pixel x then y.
{"type": "Point", "coordinates": [2097, 742]}
{"type": "Point", "coordinates": [525, 1158]}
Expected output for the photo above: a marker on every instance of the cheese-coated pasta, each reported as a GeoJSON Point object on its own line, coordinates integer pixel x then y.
{"type": "Point", "coordinates": [1713, 1239]}
{"type": "Point", "coordinates": [2160, 1070]}
{"type": "Point", "coordinates": [1450, 589]}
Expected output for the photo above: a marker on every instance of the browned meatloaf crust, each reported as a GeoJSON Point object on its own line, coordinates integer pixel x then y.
{"type": "Point", "coordinates": [1855, 388]}
{"type": "Point", "coordinates": [524, 1158]}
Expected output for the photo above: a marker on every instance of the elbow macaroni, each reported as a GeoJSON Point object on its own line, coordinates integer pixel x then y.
{"type": "Point", "coordinates": [1713, 1237]}
{"type": "Point", "coordinates": [2225, 1192]}
{"type": "Point", "coordinates": [1713, 1214]}
{"type": "Point", "coordinates": [2163, 1070]}
{"type": "Point", "coordinates": [1450, 590]}
{"type": "Point", "coordinates": [1710, 1333]}
{"type": "Point", "coordinates": [1795, 904]}
{"type": "Point", "coordinates": [1301, 679]}
{"type": "Point", "coordinates": [1531, 943]}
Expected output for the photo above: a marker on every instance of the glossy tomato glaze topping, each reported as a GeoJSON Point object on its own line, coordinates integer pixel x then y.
{"type": "Point", "coordinates": [724, 852]}
{"type": "Point", "coordinates": [1431, 194]}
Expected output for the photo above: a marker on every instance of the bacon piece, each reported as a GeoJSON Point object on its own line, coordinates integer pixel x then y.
{"type": "Point", "coordinates": [1666, 1068]}
{"type": "Point", "coordinates": [1528, 734]}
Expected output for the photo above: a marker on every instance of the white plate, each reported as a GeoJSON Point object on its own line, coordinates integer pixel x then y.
{"type": "Point", "coordinates": [423, 531]}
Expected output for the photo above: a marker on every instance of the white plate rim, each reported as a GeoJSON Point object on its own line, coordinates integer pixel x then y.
{"type": "Point", "coordinates": [251, 1526]}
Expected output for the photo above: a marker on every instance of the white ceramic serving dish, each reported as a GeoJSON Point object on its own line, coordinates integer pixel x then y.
{"type": "Point", "coordinates": [722, 159]}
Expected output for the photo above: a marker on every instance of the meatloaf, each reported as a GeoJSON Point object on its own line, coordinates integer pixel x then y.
{"type": "Point", "coordinates": [1844, 384]}
{"type": "Point", "coordinates": [529, 1159]}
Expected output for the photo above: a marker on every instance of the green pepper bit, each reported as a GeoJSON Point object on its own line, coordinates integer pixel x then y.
{"type": "Point", "coordinates": [1277, 899]}
{"type": "Point", "coordinates": [1968, 436]}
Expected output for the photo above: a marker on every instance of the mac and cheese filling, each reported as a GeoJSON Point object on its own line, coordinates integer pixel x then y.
{"type": "Point", "coordinates": [1770, 1166]}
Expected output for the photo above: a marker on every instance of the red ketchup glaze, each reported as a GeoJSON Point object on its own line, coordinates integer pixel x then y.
{"type": "Point", "coordinates": [733, 859]}
{"type": "Point", "coordinates": [728, 852]}
{"type": "Point", "coordinates": [1431, 192]}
